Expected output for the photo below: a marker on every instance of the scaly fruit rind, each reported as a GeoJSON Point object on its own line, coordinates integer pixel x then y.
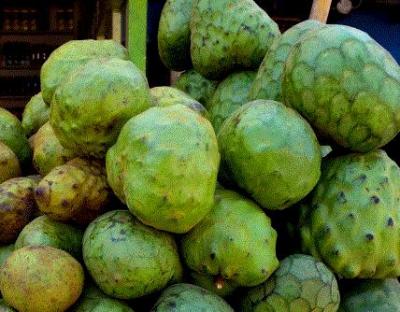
{"type": "Point", "coordinates": [346, 85]}
{"type": "Point", "coordinates": [35, 115]}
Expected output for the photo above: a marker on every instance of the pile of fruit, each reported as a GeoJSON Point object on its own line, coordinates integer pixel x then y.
{"type": "Point", "coordinates": [256, 183]}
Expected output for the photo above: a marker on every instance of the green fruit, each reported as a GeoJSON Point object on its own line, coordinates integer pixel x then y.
{"type": "Point", "coordinates": [94, 102]}
{"type": "Point", "coordinates": [228, 35]}
{"type": "Point", "coordinates": [17, 205]}
{"type": "Point", "coordinates": [12, 134]}
{"type": "Point", "coordinates": [301, 284]}
{"type": "Point", "coordinates": [351, 221]}
{"type": "Point", "coordinates": [41, 279]}
{"type": "Point", "coordinates": [271, 152]}
{"type": "Point", "coordinates": [43, 231]}
{"type": "Point", "coordinates": [234, 242]}
{"type": "Point", "coordinates": [372, 296]}
{"type": "Point", "coordinates": [167, 163]}
{"type": "Point", "coordinates": [48, 153]}
{"type": "Point", "coordinates": [198, 87]}
{"type": "Point", "coordinates": [219, 286]}
{"type": "Point", "coordinates": [5, 252]}
{"type": "Point", "coordinates": [167, 96]}
{"type": "Point", "coordinates": [71, 55]}
{"type": "Point", "coordinates": [268, 83]}
{"type": "Point", "coordinates": [76, 191]}
{"type": "Point", "coordinates": [346, 85]}
{"type": "Point", "coordinates": [35, 115]}
{"type": "Point", "coordinates": [187, 297]}
{"type": "Point", "coordinates": [174, 34]}
{"type": "Point", "coordinates": [128, 259]}
{"type": "Point", "coordinates": [9, 164]}
{"type": "Point", "coordinates": [102, 305]}
{"type": "Point", "coordinates": [4, 307]}
{"type": "Point", "coordinates": [230, 94]}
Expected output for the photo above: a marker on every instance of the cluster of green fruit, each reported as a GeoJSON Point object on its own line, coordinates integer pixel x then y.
{"type": "Point", "coordinates": [183, 198]}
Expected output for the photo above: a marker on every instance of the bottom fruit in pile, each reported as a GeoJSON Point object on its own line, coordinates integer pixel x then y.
{"type": "Point", "coordinates": [186, 297]}
{"type": "Point", "coordinates": [41, 279]}
{"type": "Point", "coordinates": [301, 284]}
{"type": "Point", "coordinates": [371, 296]}
{"type": "Point", "coordinates": [128, 259]}
{"type": "Point", "coordinates": [233, 244]}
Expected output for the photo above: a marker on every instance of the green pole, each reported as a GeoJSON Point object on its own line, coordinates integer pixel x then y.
{"type": "Point", "coordinates": [137, 32]}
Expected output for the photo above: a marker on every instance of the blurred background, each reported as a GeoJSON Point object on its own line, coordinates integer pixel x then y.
{"type": "Point", "coordinates": [31, 30]}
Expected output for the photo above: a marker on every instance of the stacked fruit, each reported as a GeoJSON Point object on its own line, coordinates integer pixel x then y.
{"type": "Point", "coordinates": [171, 199]}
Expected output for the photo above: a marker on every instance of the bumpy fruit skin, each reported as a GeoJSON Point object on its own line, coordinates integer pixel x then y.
{"type": "Point", "coordinates": [169, 161]}
{"type": "Point", "coordinates": [94, 102]}
{"type": "Point", "coordinates": [17, 205]}
{"type": "Point", "coordinates": [35, 115]}
{"type": "Point", "coordinates": [234, 242]}
{"type": "Point", "coordinates": [168, 96]}
{"type": "Point", "coordinates": [187, 297]}
{"type": "Point", "coordinates": [76, 191]}
{"type": "Point", "coordinates": [70, 56]}
{"type": "Point", "coordinates": [228, 35]}
{"type": "Point", "coordinates": [198, 87]}
{"type": "Point", "coordinates": [301, 284]}
{"type": "Point", "coordinates": [44, 231]}
{"type": "Point", "coordinates": [230, 94]}
{"type": "Point", "coordinates": [5, 252]}
{"type": "Point", "coordinates": [265, 147]}
{"type": "Point", "coordinates": [41, 279]}
{"type": "Point", "coordinates": [346, 85]}
{"type": "Point", "coordinates": [12, 134]}
{"type": "Point", "coordinates": [268, 83]}
{"type": "Point", "coordinates": [372, 296]}
{"type": "Point", "coordinates": [351, 221]}
{"type": "Point", "coordinates": [48, 153]}
{"type": "Point", "coordinates": [9, 164]}
{"type": "Point", "coordinates": [174, 34]}
{"type": "Point", "coordinates": [128, 259]}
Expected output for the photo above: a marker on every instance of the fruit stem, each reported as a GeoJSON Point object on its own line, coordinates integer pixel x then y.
{"type": "Point", "coordinates": [219, 282]}
{"type": "Point", "coordinates": [320, 10]}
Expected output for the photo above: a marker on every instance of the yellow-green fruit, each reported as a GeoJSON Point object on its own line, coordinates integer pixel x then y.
{"type": "Point", "coordinates": [12, 134]}
{"type": "Point", "coordinates": [169, 160]}
{"type": "Point", "coordinates": [44, 231]}
{"type": "Point", "coordinates": [35, 115]}
{"type": "Point", "coordinates": [76, 191]}
{"type": "Point", "coordinates": [92, 104]}
{"type": "Point", "coordinates": [17, 205]}
{"type": "Point", "coordinates": [346, 85]}
{"type": "Point", "coordinates": [48, 153]}
{"type": "Point", "coordinates": [41, 279]}
{"type": "Point", "coordinates": [168, 96]}
{"type": "Point", "coordinates": [174, 34]}
{"type": "Point", "coordinates": [235, 242]}
{"type": "Point", "coordinates": [5, 252]}
{"type": "Point", "coordinates": [268, 83]}
{"type": "Point", "coordinates": [9, 164]}
{"type": "Point", "coordinates": [230, 94]}
{"type": "Point", "coordinates": [301, 284]}
{"type": "Point", "coordinates": [70, 56]}
{"type": "Point", "coordinates": [128, 259]}
{"type": "Point", "coordinates": [351, 220]}
{"type": "Point", "coordinates": [198, 87]}
{"type": "Point", "coordinates": [270, 151]}
{"type": "Point", "coordinates": [229, 35]}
